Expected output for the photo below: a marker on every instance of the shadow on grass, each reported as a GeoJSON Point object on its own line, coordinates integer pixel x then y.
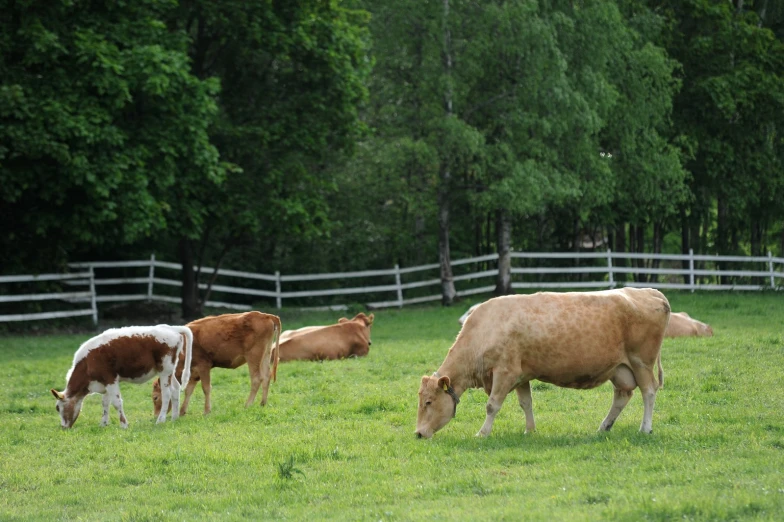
{"type": "Point", "coordinates": [537, 441]}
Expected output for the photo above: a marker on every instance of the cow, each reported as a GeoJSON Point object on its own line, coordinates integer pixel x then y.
{"type": "Point", "coordinates": [288, 334]}
{"type": "Point", "coordinates": [573, 340]}
{"type": "Point", "coordinates": [133, 353]}
{"type": "Point", "coordinates": [229, 341]}
{"type": "Point", "coordinates": [681, 325]}
{"type": "Point", "coordinates": [347, 338]}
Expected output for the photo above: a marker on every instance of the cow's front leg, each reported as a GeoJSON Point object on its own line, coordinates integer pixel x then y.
{"type": "Point", "coordinates": [527, 404]}
{"type": "Point", "coordinates": [106, 400]}
{"type": "Point", "coordinates": [113, 392]}
{"type": "Point", "coordinates": [206, 387]}
{"type": "Point", "coordinates": [502, 385]}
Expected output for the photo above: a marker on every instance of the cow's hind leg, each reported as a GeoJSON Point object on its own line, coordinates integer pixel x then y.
{"type": "Point", "coordinates": [113, 392]}
{"type": "Point", "coordinates": [166, 387]}
{"type": "Point", "coordinates": [259, 375]}
{"type": "Point", "coordinates": [175, 398]}
{"type": "Point", "coordinates": [527, 404]}
{"type": "Point", "coordinates": [623, 386]}
{"type": "Point", "coordinates": [502, 386]}
{"type": "Point", "coordinates": [189, 387]}
{"type": "Point", "coordinates": [648, 386]}
{"type": "Point", "coordinates": [106, 400]}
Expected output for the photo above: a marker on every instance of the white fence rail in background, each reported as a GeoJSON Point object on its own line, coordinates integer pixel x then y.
{"type": "Point", "coordinates": [71, 278]}
{"type": "Point", "coordinates": [696, 272]}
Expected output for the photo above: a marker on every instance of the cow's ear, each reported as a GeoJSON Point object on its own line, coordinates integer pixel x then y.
{"type": "Point", "coordinates": [342, 320]}
{"type": "Point", "coordinates": [425, 378]}
{"type": "Point", "coordinates": [443, 382]}
{"type": "Point", "coordinates": [57, 395]}
{"type": "Point", "coordinates": [370, 319]}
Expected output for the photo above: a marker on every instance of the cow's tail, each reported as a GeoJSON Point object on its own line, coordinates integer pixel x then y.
{"type": "Point", "coordinates": [276, 329]}
{"type": "Point", "coordinates": [661, 371]}
{"type": "Point", "coordinates": [186, 369]}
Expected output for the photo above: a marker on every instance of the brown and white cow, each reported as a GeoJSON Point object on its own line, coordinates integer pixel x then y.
{"type": "Point", "coordinates": [573, 340]}
{"type": "Point", "coordinates": [681, 325]}
{"type": "Point", "coordinates": [347, 338]}
{"type": "Point", "coordinates": [133, 353]}
{"type": "Point", "coordinates": [229, 341]}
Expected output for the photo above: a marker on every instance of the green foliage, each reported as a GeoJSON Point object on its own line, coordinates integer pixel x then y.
{"type": "Point", "coordinates": [715, 454]}
{"type": "Point", "coordinates": [88, 102]}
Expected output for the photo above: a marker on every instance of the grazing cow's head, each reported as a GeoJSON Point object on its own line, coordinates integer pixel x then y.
{"type": "Point", "coordinates": [437, 405]}
{"type": "Point", "coordinates": [67, 407]}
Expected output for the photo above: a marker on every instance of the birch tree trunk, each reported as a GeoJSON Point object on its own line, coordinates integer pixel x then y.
{"type": "Point", "coordinates": [447, 282]}
{"type": "Point", "coordinates": [503, 284]}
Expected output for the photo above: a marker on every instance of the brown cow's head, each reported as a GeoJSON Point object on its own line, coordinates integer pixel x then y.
{"type": "Point", "coordinates": [67, 407]}
{"type": "Point", "coordinates": [436, 406]}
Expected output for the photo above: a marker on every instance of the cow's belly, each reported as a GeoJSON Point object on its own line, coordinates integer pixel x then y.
{"type": "Point", "coordinates": [139, 379]}
{"type": "Point", "coordinates": [581, 378]}
{"type": "Point", "coordinates": [229, 360]}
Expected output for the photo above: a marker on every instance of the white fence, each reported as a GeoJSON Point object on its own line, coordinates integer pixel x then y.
{"type": "Point", "coordinates": [72, 279]}
{"type": "Point", "coordinates": [160, 281]}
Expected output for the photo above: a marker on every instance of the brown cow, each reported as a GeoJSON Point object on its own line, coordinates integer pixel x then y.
{"type": "Point", "coordinates": [133, 353]}
{"type": "Point", "coordinates": [681, 325]}
{"type": "Point", "coordinates": [573, 340]}
{"type": "Point", "coordinates": [229, 341]}
{"type": "Point", "coordinates": [345, 339]}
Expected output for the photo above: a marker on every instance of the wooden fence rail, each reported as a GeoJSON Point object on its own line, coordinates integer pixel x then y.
{"type": "Point", "coordinates": [588, 270]}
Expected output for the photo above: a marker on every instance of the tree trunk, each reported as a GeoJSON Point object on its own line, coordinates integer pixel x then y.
{"type": "Point", "coordinates": [503, 285]}
{"type": "Point", "coordinates": [447, 282]}
{"type": "Point", "coordinates": [657, 246]}
{"type": "Point", "coordinates": [756, 238]}
{"type": "Point", "coordinates": [191, 307]}
{"type": "Point", "coordinates": [685, 243]}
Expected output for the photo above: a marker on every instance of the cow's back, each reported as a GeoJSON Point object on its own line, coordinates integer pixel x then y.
{"type": "Point", "coordinates": [570, 339]}
{"type": "Point", "coordinates": [224, 339]}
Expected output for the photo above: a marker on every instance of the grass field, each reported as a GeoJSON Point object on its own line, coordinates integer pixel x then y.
{"type": "Point", "coordinates": [336, 440]}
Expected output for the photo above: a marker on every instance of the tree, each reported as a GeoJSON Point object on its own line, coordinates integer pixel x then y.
{"type": "Point", "coordinates": [99, 118]}
{"type": "Point", "coordinates": [293, 77]}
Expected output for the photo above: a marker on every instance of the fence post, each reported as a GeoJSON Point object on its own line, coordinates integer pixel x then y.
{"type": "Point", "coordinates": [400, 286]}
{"type": "Point", "coordinates": [770, 269]}
{"type": "Point", "coordinates": [691, 269]}
{"type": "Point", "coordinates": [610, 268]}
{"type": "Point", "coordinates": [152, 276]}
{"type": "Point", "coordinates": [92, 297]}
{"type": "Point", "coordinates": [278, 297]}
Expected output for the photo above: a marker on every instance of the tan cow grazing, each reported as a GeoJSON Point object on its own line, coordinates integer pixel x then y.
{"type": "Point", "coordinates": [681, 325]}
{"type": "Point", "coordinates": [134, 353]}
{"type": "Point", "coordinates": [346, 339]}
{"type": "Point", "coordinates": [573, 340]}
{"type": "Point", "coordinates": [229, 341]}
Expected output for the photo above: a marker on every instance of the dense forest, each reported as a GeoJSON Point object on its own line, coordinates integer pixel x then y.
{"type": "Point", "coordinates": [316, 136]}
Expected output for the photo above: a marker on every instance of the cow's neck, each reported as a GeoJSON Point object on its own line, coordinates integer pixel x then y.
{"type": "Point", "coordinates": [79, 382]}
{"type": "Point", "coordinates": [461, 375]}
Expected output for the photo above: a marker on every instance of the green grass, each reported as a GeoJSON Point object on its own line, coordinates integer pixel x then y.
{"type": "Point", "coordinates": [336, 440]}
